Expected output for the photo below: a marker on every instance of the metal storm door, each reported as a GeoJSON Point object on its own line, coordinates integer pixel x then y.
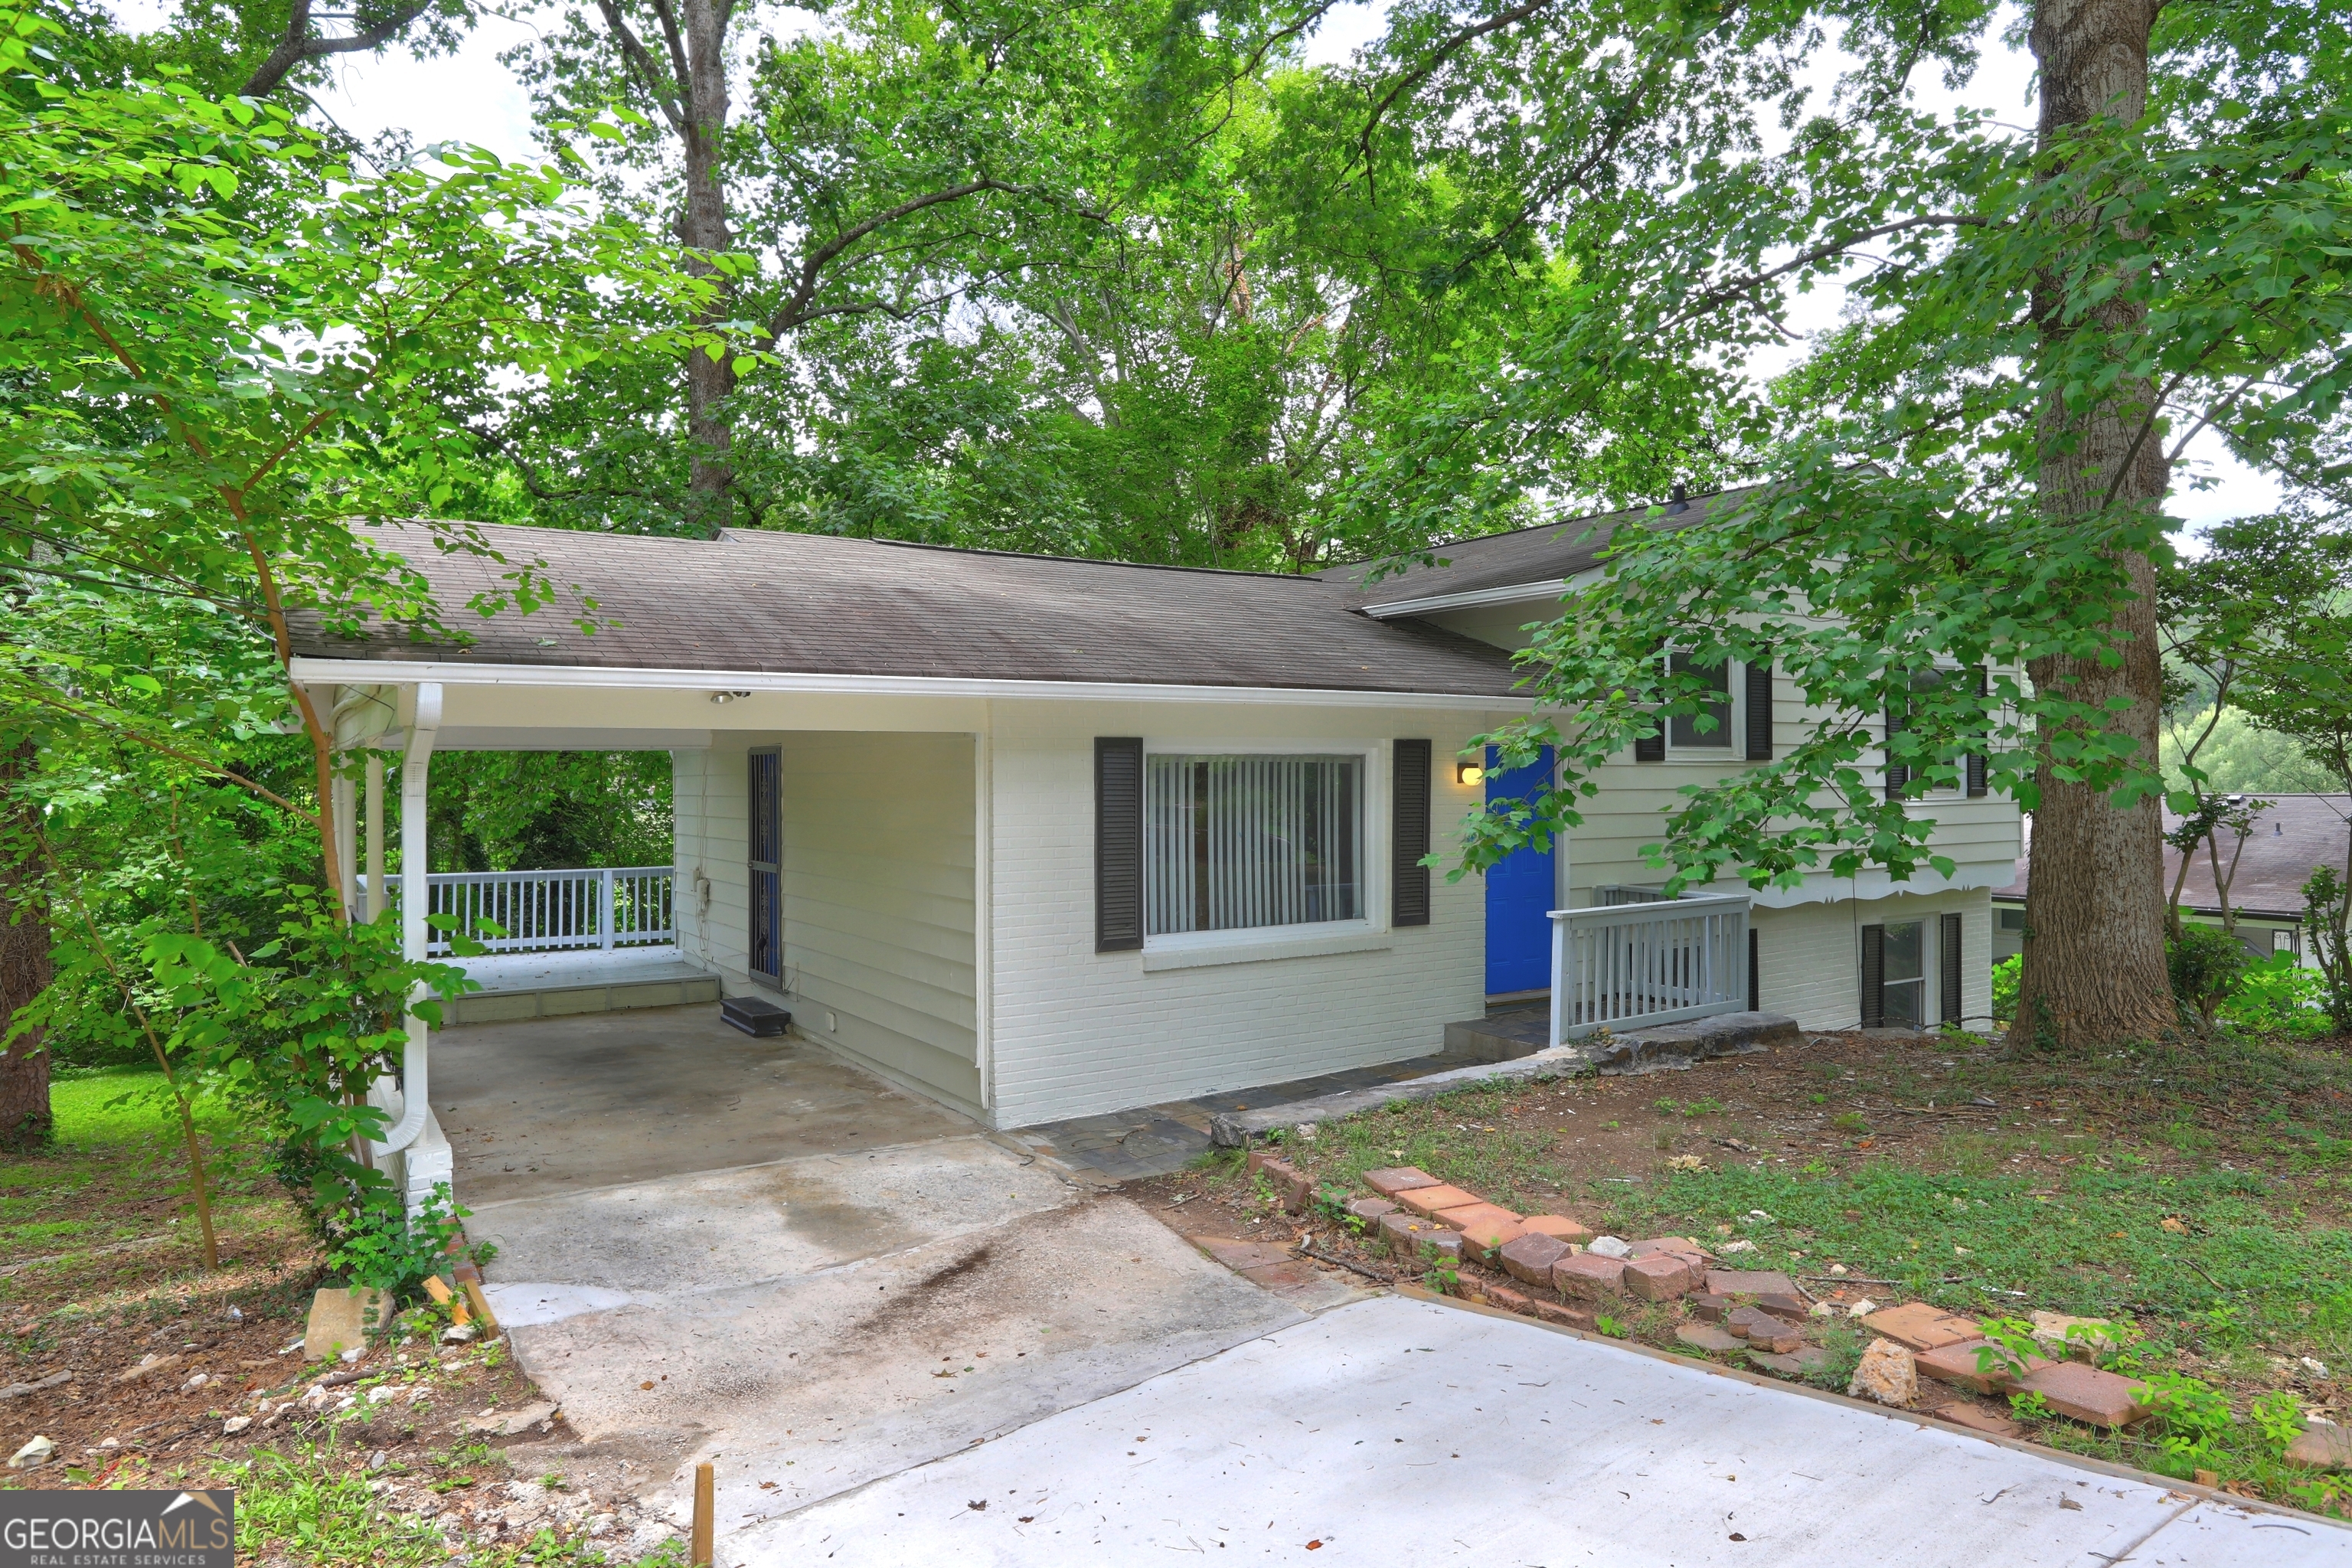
{"type": "Point", "coordinates": [767, 854]}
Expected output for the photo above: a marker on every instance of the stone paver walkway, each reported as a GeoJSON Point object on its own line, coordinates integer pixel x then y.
{"type": "Point", "coordinates": [1155, 1140]}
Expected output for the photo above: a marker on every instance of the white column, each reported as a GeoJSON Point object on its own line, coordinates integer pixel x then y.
{"type": "Point", "coordinates": [375, 888]}
{"type": "Point", "coordinates": [414, 903]}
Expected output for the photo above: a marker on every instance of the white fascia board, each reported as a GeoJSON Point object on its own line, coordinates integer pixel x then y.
{"type": "Point", "coordinates": [1872, 883]}
{"type": "Point", "coordinates": [386, 672]}
{"type": "Point", "coordinates": [1514, 593]}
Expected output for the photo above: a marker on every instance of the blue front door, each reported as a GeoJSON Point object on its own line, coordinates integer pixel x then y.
{"type": "Point", "coordinates": [1520, 896]}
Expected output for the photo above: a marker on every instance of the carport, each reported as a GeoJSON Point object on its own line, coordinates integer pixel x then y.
{"type": "Point", "coordinates": [569, 1104]}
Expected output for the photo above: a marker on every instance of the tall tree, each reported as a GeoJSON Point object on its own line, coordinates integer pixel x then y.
{"type": "Point", "coordinates": [25, 968]}
{"type": "Point", "coordinates": [1967, 471]}
{"type": "Point", "coordinates": [217, 336]}
{"type": "Point", "coordinates": [2096, 967]}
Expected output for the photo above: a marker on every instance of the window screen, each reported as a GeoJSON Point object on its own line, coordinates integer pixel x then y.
{"type": "Point", "coordinates": [1237, 842]}
{"type": "Point", "coordinates": [1683, 728]}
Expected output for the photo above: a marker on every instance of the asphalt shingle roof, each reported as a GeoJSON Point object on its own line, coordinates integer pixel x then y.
{"type": "Point", "coordinates": [812, 604]}
{"type": "Point", "coordinates": [1550, 552]}
{"type": "Point", "coordinates": [2298, 834]}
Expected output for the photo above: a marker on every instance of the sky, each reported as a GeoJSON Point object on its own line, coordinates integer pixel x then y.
{"type": "Point", "coordinates": [470, 96]}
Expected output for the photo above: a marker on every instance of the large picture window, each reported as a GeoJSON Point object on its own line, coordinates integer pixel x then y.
{"type": "Point", "coordinates": [1235, 842]}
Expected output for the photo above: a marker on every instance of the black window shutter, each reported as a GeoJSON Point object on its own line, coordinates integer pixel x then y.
{"type": "Point", "coordinates": [1653, 748]}
{"type": "Point", "coordinates": [1897, 775]}
{"type": "Point", "coordinates": [1409, 834]}
{"type": "Point", "coordinates": [1950, 955]}
{"type": "Point", "coordinates": [1977, 783]}
{"type": "Point", "coordinates": [1873, 977]}
{"type": "Point", "coordinates": [1759, 711]}
{"type": "Point", "coordinates": [1118, 843]}
{"type": "Point", "coordinates": [1755, 975]}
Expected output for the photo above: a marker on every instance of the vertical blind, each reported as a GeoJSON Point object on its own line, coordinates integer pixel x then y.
{"type": "Point", "coordinates": [1235, 842]}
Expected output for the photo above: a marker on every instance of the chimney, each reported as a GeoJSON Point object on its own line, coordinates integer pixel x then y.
{"type": "Point", "coordinates": [1678, 499]}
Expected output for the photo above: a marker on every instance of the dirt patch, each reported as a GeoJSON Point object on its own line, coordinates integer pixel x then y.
{"type": "Point", "coordinates": [159, 1356]}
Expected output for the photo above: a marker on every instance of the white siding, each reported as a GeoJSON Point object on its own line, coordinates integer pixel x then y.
{"type": "Point", "coordinates": [1076, 1032]}
{"type": "Point", "coordinates": [878, 894]}
{"type": "Point", "coordinates": [1981, 834]}
{"type": "Point", "coordinates": [1810, 956]}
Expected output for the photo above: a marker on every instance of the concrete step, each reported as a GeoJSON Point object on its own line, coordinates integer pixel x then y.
{"type": "Point", "coordinates": [1499, 1036]}
{"type": "Point", "coordinates": [507, 1003]}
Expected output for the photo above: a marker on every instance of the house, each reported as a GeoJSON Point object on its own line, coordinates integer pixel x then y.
{"type": "Point", "coordinates": [1041, 837]}
{"type": "Point", "coordinates": [2293, 836]}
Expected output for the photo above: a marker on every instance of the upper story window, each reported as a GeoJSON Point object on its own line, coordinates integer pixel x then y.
{"type": "Point", "coordinates": [1237, 842]}
{"type": "Point", "coordinates": [1683, 730]}
{"type": "Point", "coordinates": [1900, 777]}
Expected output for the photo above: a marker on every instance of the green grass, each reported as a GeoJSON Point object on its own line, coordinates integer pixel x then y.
{"type": "Point", "coordinates": [102, 1108]}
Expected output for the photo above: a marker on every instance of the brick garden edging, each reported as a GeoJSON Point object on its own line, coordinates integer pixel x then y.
{"type": "Point", "coordinates": [1762, 1312]}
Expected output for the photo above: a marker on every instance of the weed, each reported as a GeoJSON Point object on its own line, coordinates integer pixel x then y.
{"type": "Point", "coordinates": [2278, 1416]}
{"type": "Point", "coordinates": [1850, 1122]}
{"type": "Point", "coordinates": [1610, 1326]}
{"type": "Point", "coordinates": [2029, 1405]}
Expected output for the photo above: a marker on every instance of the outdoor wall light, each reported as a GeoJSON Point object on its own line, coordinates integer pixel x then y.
{"type": "Point", "coordinates": [724, 698]}
{"type": "Point", "coordinates": [1469, 773]}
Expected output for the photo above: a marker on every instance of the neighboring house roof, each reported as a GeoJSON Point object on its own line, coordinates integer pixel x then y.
{"type": "Point", "coordinates": [802, 604]}
{"type": "Point", "coordinates": [1540, 558]}
{"type": "Point", "coordinates": [2296, 835]}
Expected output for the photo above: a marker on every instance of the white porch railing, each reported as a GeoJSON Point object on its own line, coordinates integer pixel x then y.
{"type": "Point", "coordinates": [542, 911]}
{"type": "Point", "coordinates": [1626, 965]}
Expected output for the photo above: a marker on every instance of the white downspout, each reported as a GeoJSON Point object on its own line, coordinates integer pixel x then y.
{"type": "Point", "coordinates": [375, 887]}
{"type": "Point", "coordinates": [415, 900]}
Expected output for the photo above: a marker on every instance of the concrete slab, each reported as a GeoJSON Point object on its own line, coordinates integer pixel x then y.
{"type": "Point", "coordinates": [708, 1230]}
{"type": "Point", "coordinates": [2219, 1536]}
{"type": "Point", "coordinates": [554, 1105]}
{"type": "Point", "coordinates": [1404, 1432]}
{"type": "Point", "coordinates": [821, 1383]}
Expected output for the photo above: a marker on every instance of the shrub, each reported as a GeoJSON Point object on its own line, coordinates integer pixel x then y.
{"type": "Point", "coordinates": [2277, 995]}
{"type": "Point", "coordinates": [2205, 962]}
{"type": "Point", "coordinates": [383, 1245]}
{"type": "Point", "coordinates": [2004, 987]}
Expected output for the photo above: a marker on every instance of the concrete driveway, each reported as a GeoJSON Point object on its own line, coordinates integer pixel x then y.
{"type": "Point", "coordinates": [1400, 1433]}
{"type": "Point", "coordinates": [711, 1248]}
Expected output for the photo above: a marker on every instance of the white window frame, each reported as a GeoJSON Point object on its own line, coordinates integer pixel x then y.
{"type": "Point", "coordinates": [1368, 932]}
{"type": "Point", "coordinates": [1733, 748]}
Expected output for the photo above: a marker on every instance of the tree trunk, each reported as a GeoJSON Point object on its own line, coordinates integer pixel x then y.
{"type": "Point", "coordinates": [2095, 968]}
{"type": "Point", "coordinates": [703, 228]}
{"type": "Point", "coordinates": [25, 973]}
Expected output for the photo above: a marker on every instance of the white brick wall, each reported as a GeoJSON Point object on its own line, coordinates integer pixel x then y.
{"type": "Point", "coordinates": [1076, 1032]}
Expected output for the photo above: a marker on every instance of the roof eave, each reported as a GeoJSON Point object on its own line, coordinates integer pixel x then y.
{"type": "Point", "coordinates": [310, 670]}
{"type": "Point", "coordinates": [1510, 594]}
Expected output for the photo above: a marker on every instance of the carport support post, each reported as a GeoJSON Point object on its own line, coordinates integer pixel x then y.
{"type": "Point", "coordinates": [415, 902]}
